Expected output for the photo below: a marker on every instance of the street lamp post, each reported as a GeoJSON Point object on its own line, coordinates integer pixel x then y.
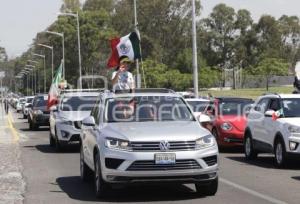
{"type": "Point", "coordinates": [195, 64]}
{"type": "Point", "coordinates": [34, 72]}
{"type": "Point", "coordinates": [63, 47]}
{"type": "Point", "coordinates": [32, 80]}
{"type": "Point", "coordinates": [44, 58]}
{"type": "Point", "coordinates": [52, 59]}
{"type": "Point", "coordinates": [76, 15]}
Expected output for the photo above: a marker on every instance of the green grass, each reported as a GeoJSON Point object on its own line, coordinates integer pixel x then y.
{"type": "Point", "coordinates": [247, 93]}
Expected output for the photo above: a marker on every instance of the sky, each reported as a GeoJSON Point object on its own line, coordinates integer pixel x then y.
{"type": "Point", "coordinates": [21, 20]}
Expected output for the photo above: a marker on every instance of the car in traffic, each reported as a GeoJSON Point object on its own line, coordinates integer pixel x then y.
{"type": "Point", "coordinates": [38, 113]}
{"type": "Point", "coordinates": [150, 136]}
{"type": "Point", "coordinates": [65, 118]}
{"type": "Point", "coordinates": [19, 104]}
{"type": "Point", "coordinates": [26, 105]}
{"type": "Point", "coordinates": [229, 119]}
{"type": "Point", "coordinates": [274, 127]}
{"type": "Point", "coordinates": [198, 105]}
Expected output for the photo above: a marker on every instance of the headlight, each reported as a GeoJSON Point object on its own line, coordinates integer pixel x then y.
{"type": "Point", "coordinates": [205, 142]}
{"type": "Point", "coordinates": [113, 143]}
{"type": "Point", "coordinates": [65, 122]}
{"type": "Point", "coordinates": [294, 129]}
{"type": "Point", "coordinates": [37, 112]}
{"type": "Point", "coordinates": [226, 126]}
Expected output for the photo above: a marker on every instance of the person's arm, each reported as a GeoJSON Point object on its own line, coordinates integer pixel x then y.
{"type": "Point", "coordinates": [115, 77]}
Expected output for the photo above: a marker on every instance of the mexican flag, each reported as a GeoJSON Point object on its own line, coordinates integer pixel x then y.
{"type": "Point", "coordinates": [128, 45]}
{"type": "Point", "coordinates": [54, 89]}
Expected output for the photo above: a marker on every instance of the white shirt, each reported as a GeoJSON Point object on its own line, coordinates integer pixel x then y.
{"type": "Point", "coordinates": [125, 81]}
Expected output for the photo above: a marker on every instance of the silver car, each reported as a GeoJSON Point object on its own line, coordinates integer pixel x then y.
{"type": "Point", "coordinates": [66, 116]}
{"type": "Point", "coordinates": [147, 136]}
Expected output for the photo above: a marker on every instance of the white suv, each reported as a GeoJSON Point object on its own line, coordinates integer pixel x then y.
{"type": "Point", "coordinates": [147, 136]}
{"type": "Point", "coordinates": [274, 127]}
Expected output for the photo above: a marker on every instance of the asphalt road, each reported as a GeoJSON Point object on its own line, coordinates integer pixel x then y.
{"type": "Point", "coordinates": [54, 178]}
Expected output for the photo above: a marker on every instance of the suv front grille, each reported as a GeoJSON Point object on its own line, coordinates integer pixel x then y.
{"type": "Point", "coordinates": [151, 166]}
{"type": "Point", "coordinates": [155, 146]}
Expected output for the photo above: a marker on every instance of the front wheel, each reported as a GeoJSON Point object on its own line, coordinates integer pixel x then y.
{"type": "Point", "coordinates": [280, 154]}
{"type": "Point", "coordinates": [101, 187]}
{"type": "Point", "coordinates": [208, 190]}
{"type": "Point", "coordinates": [85, 172]}
{"type": "Point", "coordinates": [250, 153]}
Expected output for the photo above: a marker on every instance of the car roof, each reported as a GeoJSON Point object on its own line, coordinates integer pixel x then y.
{"type": "Point", "coordinates": [281, 96]}
{"type": "Point", "coordinates": [197, 99]}
{"type": "Point", "coordinates": [79, 93]}
{"type": "Point", "coordinates": [233, 99]}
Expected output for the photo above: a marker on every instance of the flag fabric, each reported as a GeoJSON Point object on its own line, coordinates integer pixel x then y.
{"type": "Point", "coordinates": [128, 45]}
{"type": "Point", "coordinates": [54, 89]}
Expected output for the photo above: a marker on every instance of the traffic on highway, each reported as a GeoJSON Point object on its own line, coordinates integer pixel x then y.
{"type": "Point", "coordinates": [161, 101]}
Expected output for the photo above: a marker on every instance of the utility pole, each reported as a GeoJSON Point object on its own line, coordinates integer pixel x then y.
{"type": "Point", "coordinates": [195, 64]}
{"type": "Point", "coordinates": [138, 77]}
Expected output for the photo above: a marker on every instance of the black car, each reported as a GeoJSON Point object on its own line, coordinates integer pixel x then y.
{"type": "Point", "coordinates": [38, 113]}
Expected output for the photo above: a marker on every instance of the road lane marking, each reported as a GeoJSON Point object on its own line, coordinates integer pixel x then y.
{"type": "Point", "coordinates": [13, 130]}
{"type": "Point", "coordinates": [252, 192]}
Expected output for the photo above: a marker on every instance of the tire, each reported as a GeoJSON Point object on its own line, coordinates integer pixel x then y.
{"type": "Point", "coordinates": [86, 173]}
{"type": "Point", "coordinates": [24, 116]}
{"type": "Point", "coordinates": [30, 125]}
{"type": "Point", "coordinates": [249, 150]}
{"type": "Point", "coordinates": [280, 154]}
{"type": "Point", "coordinates": [51, 140]}
{"type": "Point", "coordinates": [58, 146]}
{"type": "Point", "coordinates": [101, 187]}
{"type": "Point", "coordinates": [207, 190]}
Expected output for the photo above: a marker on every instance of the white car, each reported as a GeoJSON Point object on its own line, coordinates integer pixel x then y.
{"type": "Point", "coordinates": [149, 136]}
{"type": "Point", "coordinates": [66, 117]}
{"type": "Point", "coordinates": [274, 127]}
{"type": "Point", "coordinates": [20, 104]}
{"type": "Point", "coordinates": [198, 105]}
{"type": "Point", "coordinates": [25, 108]}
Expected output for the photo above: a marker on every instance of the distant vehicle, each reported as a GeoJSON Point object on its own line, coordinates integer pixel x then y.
{"type": "Point", "coordinates": [66, 117]}
{"type": "Point", "coordinates": [186, 94]}
{"type": "Point", "coordinates": [146, 137]}
{"type": "Point", "coordinates": [38, 113]}
{"type": "Point", "coordinates": [198, 105]}
{"type": "Point", "coordinates": [229, 119]}
{"type": "Point", "coordinates": [20, 103]}
{"type": "Point", "coordinates": [25, 108]}
{"type": "Point", "coordinates": [274, 127]}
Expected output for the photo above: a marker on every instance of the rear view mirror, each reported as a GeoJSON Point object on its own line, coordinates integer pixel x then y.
{"type": "Point", "coordinates": [89, 121]}
{"type": "Point", "coordinates": [204, 118]}
{"type": "Point", "coordinates": [269, 113]}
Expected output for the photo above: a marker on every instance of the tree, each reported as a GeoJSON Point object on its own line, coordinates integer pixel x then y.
{"type": "Point", "coordinates": [269, 67]}
{"type": "Point", "coordinates": [70, 6]}
{"type": "Point", "coordinates": [96, 5]}
{"type": "Point", "coordinates": [3, 55]}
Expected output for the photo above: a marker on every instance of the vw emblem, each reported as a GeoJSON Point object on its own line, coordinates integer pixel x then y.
{"type": "Point", "coordinates": [164, 145]}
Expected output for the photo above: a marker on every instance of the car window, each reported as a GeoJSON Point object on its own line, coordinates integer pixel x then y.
{"type": "Point", "coordinates": [274, 105]}
{"type": "Point", "coordinates": [78, 103]}
{"type": "Point", "coordinates": [40, 101]}
{"type": "Point", "coordinates": [291, 107]}
{"type": "Point", "coordinates": [262, 105]}
{"type": "Point", "coordinates": [147, 108]}
{"type": "Point", "coordinates": [234, 107]}
{"type": "Point", "coordinates": [198, 106]}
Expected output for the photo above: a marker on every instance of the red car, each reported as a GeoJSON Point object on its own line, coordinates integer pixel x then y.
{"type": "Point", "coordinates": [229, 119]}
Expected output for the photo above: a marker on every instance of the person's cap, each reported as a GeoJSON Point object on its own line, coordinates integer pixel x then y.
{"type": "Point", "coordinates": [125, 60]}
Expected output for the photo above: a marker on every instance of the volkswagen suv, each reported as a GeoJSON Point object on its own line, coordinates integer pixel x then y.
{"type": "Point", "coordinates": [274, 127]}
{"type": "Point", "coordinates": [146, 137]}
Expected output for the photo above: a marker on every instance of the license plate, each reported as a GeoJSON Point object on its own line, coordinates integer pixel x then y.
{"type": "Point", "coordinates": [165, 159]}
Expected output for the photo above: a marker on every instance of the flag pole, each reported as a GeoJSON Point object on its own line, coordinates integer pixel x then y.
{"type": "Point", "coordinates": [138, 77]}
{"type": "Point", "coordinates": [195, 64]}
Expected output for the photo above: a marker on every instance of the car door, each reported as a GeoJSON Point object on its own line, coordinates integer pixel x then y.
{"type": "Point", "coordinates": [270, 125]}
{"type": "Point", "coordinates": [257, 117]}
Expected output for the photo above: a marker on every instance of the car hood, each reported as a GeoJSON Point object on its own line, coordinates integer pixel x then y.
{"type": "Point", "coordinates": [155, 131]}
{"type": "Point", "coordinates": [73, 115]}
{"type": "Point", "coordinates": [238, 122]}
{"type": "Point", "coordinates": [292, 121]}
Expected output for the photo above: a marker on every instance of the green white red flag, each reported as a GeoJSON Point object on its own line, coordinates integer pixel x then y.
{"type": "Point", "coordinates": [54, 89]}
{"type": "Point", "coordinates": [128, 45]}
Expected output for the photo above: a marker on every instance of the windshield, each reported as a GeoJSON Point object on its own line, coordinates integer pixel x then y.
{"type": "Point", "coordinates": [29, 100]}
{"type": "Point", "coordinates": [291, 107]}
{"type": "Point", "coordinates": [198, 106]}
{"type": "Point", "coordinates": [41, 101]}
{"type": "Point", "coordinates": [234, 107]}
{"type": "Point", "coordinates": [78, 103]}
{"type": "Point", "coordinates": [22, 100]}
{"type": "Point", "coordinates": [147, 108]}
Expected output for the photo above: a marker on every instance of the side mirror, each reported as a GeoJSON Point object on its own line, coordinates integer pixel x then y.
{"type": "Point", "coordinates": [204, 118]}
{"type": "Point", "coordinates": [89, 121]}
{"type": "Point", "coordinates": [269, 113]}
{"type": "Point", "coordinates": [53, 108]}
